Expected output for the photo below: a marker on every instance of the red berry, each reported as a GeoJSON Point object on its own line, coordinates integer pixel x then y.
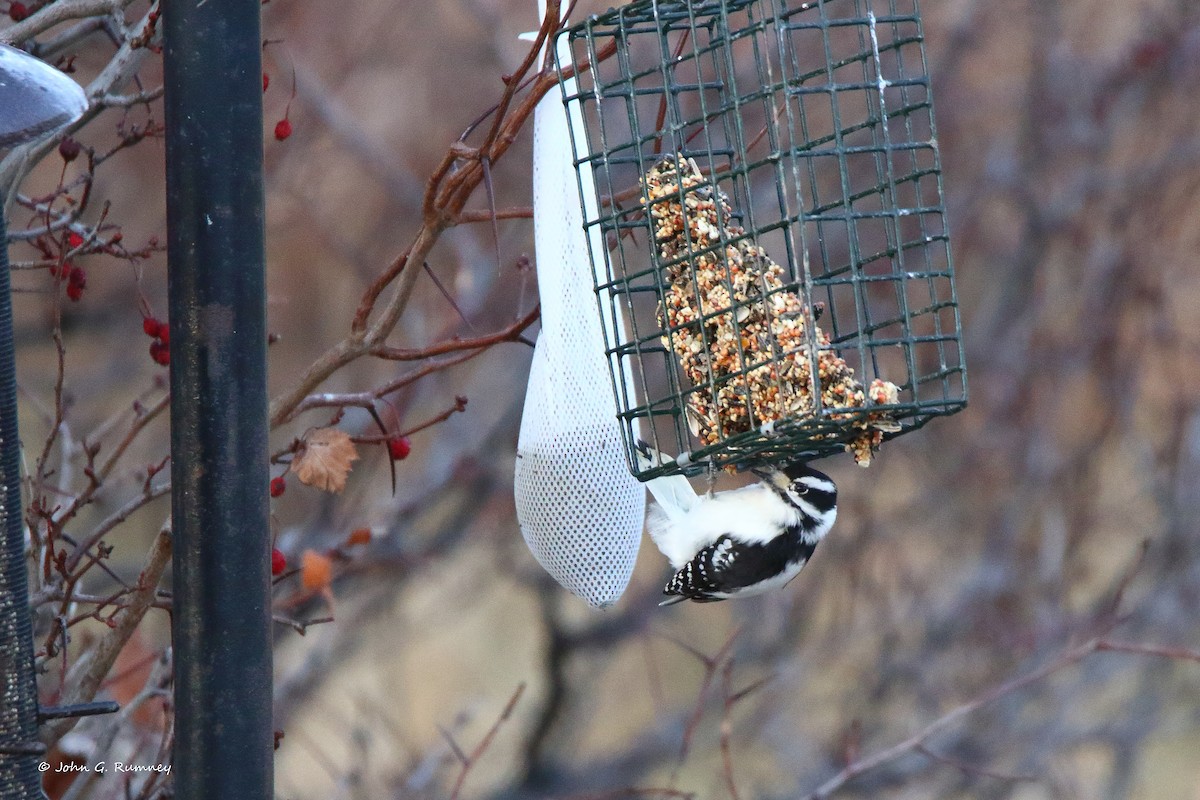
{"type": "Point", "coordinates": [160, 353]}
{"type": "Point", "coordinates": [150, 325]}
{"type": "Point", "coordinates": [278, 486]}
{"type": "Point", "coordinates": [74, 240]}
{"type": "Point", "coordinates": [77, 282]}
{"type": "Point", "coordinates": [164, 333]}
{"type": "Point", "coordinates": [278, 561]}
{"type": "Point", "coordinates": [266, 81]}
{"type": "Point", "coordinates": [17, 11]}
{"type": "Point", "coordinates": [68, 148]}
{"type": "Point", "coordinates": [399, 448]}
{"type": "Point", "coordinates": [283, 129]}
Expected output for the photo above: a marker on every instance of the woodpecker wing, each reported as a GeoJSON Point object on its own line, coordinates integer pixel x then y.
{"type": "Point", "coordinates": [730, 568]}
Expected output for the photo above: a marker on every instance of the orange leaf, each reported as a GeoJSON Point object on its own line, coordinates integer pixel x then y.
{"type": "Point", "coordinates": [316, 570]}
{"type": "Point", "coordinates": [324, 462]}
{"type": "Point", "coordinates": [359, 536]}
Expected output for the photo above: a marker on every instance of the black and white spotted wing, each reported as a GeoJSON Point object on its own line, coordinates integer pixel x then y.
{"type": "Point", "coordinates": [728, 568]}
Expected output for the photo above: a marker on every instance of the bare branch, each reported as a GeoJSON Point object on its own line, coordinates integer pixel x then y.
{"type": "Point", "coordinates": [485, 215]}
{"type": "Point", "coordinates": [113, 520]}
{"type": "Point", "coordinates": [972, 769]}
{"type": "Point", "coordinates": [902, 748]}
{"type": "Point", "coordinates": [53, 13]}
{"type": "Point", "coordinates": [485, 742]}
{"type": "Point", "coordinates": [508, 334]}
{"type": "Point", "coordinates": [92, 667]}
{"type": "Point", "coordinates": [727, 729]}
{"type": "Point", "coordinates": [1178, 653]}
{"type": "Point", "coordinates": [130, 100]}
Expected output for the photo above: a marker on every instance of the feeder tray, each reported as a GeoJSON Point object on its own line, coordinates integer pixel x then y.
{"type": "Point", "coordinates": [776, 280]}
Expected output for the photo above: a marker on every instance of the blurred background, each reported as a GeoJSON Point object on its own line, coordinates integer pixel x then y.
{"type": "Point", "coordinates": [977, 550]}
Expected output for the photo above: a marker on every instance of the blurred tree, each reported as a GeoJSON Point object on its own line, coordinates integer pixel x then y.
{"type": "Point", "coordinates": [981, 623]}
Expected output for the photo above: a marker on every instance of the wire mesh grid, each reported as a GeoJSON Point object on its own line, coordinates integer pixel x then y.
{"type": "Point", "coordinates": [775, 279]}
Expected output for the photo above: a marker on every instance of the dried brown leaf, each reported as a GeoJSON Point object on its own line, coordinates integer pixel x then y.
{"type": "Point", "coordinates": [324, 462]}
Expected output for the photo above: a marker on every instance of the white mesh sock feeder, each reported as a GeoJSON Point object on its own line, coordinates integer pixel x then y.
{"type": "Point", "coordinates": [579, 509]}
{"type": "Point", "coordinates": [768, 183]}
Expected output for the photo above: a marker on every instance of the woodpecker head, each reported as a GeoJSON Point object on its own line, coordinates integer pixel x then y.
{"type": "Point", "coordinates": [813, 486]}
{"type": "Point", "coordinates": [809, 491]}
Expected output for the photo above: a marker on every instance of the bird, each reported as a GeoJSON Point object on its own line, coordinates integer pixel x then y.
{"type": "Point", "coordinates": [739, 542]}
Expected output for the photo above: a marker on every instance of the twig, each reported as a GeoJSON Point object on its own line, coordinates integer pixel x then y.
{"type": "Point", "coordinates": [552, 22]}
{"type": "Point", "coordinates": [300, 626]}
{"type": "Point", "coordinates": [130, 100]}
{"type": "Point", "coordinates": [711, 665]}
{"type": "Point", "coordinates": [449, 297]}
{"type": "Point", "coordinates": [486, 164]}
{"type": "Point", "coordinates": [1106, 619]}
{"type": "Point", "coordinates": [470, 760]}
{"type": "Point", "coordinates": [460, 405]}
{"type": "Point", "coordinates": [507, 334]}
{"type": "Point", "coordinates": [635, 792]}
{"type": "Point", "coordinates": [52, 14]}
{"type": "Point", "coordinates": [367, 399]}
{"type": "Point", "coordinates": [727, 729]}
{"type": "Point", "coordinates": [92, 667]}
{"type": "Point", "coordinates": [1179, 653]}
{"type": "Point", "coordinates": [902, 748]}
{"type": "Point", "coordinates": [121, 68]}
{"type": "Point", "coordinates": [972, 769]}
{"type": "Point", "coordinates": [446, 194]}
{"type": "Point", "coordinates": [453, 745]}
{"type": "Point", "coordinates": [484, 215]}
{"type": "Point", "coordinates": [113, 520]}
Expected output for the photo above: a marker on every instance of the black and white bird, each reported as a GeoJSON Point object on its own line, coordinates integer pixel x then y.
{"type": "Point", "coordinates": [740, 542]}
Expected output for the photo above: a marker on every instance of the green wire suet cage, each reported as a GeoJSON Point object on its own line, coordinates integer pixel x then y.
{"type": "Point", "coordinates": [767, 227]}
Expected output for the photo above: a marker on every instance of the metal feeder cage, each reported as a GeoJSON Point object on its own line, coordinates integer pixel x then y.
{"type": "Point", "coordinates": [775, 278]}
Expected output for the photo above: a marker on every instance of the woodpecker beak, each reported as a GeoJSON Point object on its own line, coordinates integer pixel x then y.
{"type": "Point", "coordinates": [772, 477]}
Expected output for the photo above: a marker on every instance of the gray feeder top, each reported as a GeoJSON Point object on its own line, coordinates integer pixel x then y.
{"type": "Point", "coordinates": [35, 98]}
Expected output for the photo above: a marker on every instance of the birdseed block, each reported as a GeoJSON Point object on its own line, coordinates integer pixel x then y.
{"type": "Point", "coordinates": [743, 338]}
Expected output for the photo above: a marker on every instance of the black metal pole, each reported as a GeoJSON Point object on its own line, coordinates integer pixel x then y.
{"type": "Point", "coordinates": [219, 472]}
{"type": "Point", "coordinates": [19, 746]}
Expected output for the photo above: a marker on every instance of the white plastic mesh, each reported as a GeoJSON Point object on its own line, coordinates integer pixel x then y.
{"type": "Point", "coordinates": [580, 509]}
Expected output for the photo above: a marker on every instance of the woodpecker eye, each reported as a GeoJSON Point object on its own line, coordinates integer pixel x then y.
{"type": "Point", "coordinates": [802, 489]}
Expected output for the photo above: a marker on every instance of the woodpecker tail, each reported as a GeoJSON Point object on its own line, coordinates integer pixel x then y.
{"type": "Point", "coordinates": [673, 493]}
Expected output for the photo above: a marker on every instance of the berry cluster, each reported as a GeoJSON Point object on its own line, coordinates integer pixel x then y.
{"type": "Point", "coordinates": [160, 348]}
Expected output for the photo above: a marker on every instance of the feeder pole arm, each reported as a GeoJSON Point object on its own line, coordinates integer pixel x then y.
{"type": "Point", "coordinates": [219, 458]}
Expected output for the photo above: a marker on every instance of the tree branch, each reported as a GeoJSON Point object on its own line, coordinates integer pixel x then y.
{"type": "Point", "coordinates": [511, 333]}
{"type": "Point", "coordinates": [92, 667]}
{"type": "Point", "coordinates": [52, 14]}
